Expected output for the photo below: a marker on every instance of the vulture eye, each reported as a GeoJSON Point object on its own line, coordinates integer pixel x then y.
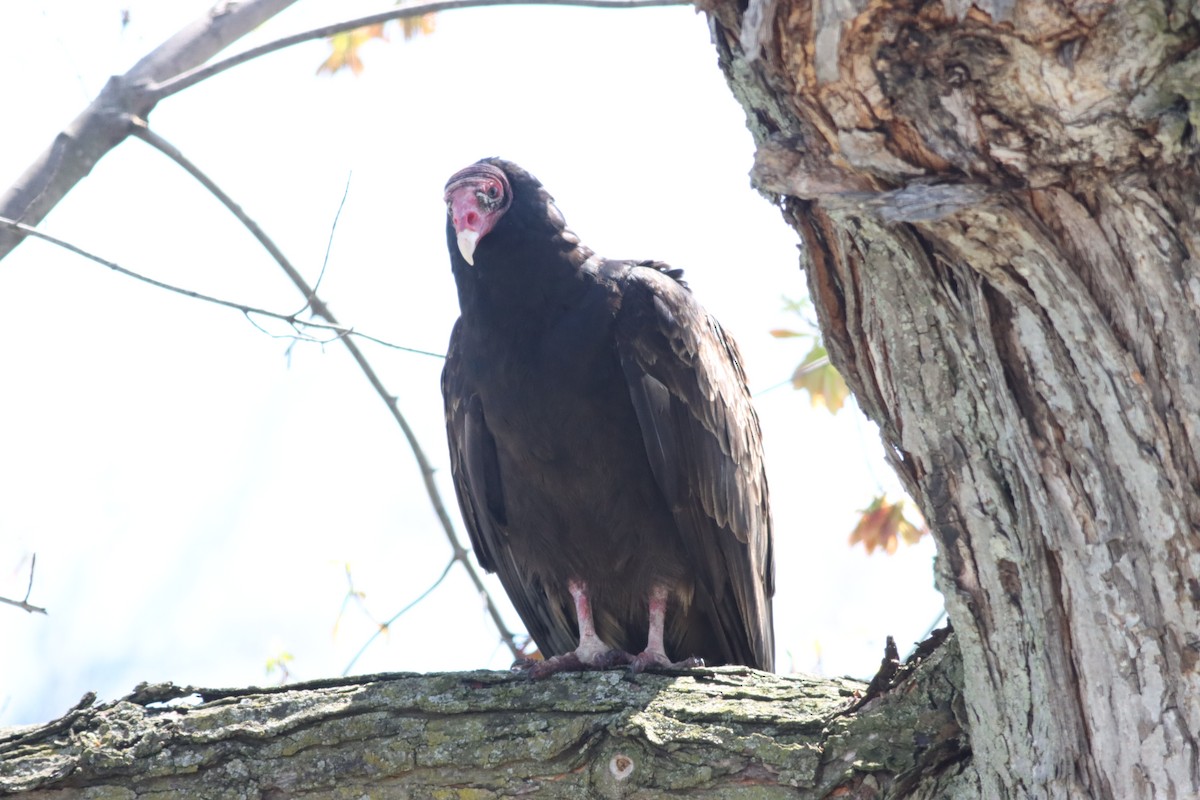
{"type": "Point", "coordinates": [492, 191]}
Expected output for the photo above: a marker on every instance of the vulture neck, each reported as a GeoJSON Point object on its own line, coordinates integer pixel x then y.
{"type": "Point", "coordinates": [523, 288]}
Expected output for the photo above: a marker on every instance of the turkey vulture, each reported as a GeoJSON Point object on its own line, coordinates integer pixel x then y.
{"type": "Point", "coordinates": [606, 457]}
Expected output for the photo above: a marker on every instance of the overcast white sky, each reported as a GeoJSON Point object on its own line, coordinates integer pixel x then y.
{"type": "Point", "coordinates": [194, 487]}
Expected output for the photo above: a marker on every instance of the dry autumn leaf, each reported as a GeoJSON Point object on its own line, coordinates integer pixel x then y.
{"type": "Point", "coordinates": [418, 26]}
{"type": "Point", "coordinates": [883, 525]}
{"type": "Point", "coordinates": [821, 380]}
{"type": "Point", "coordinates": [345, 47]}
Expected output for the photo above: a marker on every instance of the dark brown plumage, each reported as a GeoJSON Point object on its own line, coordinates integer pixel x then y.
{"type": "Point", "coordinates": [606, 456]}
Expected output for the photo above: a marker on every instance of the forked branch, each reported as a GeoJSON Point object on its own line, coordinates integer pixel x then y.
{"type": "Point", "coordinates": [24, 603]}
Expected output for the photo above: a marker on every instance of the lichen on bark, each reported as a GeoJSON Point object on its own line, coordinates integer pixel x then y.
{"type": "Point", "coordinates": [725, 732]}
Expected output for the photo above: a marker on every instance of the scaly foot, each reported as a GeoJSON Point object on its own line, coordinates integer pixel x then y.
{"type": "Point", "coordinates": [574, 661]}
{"type": "Point", "coordinates": [647, 660]}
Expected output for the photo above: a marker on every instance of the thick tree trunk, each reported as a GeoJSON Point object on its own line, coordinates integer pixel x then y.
{"type": "Point", "coordinates": [998, 205]}
{"type": "Point", "coordinates": [720, 733]}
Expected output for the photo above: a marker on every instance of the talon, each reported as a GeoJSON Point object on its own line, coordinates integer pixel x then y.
{"type": "Point", "coordinates": [654, 662]}
{"type": "Point", "coordinates": [613, 658]}
{"type": "Point", "coordinates": [574, 662]}
{"type": "Point", "coordinates": [567, 662]}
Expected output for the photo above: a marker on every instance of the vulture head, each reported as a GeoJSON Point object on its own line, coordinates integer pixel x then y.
{"type": "Point", "coordinates": [476, 199]}
{"type": "Point", "coordinates": [497, 198]}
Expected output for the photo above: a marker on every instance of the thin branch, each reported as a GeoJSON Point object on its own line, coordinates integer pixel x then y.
{"type": "Point", "coordinates": [772, 387]}
{"type": "Point", "coordinates": [321, 309]}
{"type": "Point", "coordinates": [22, 604]}
{"type": "Point", "coordinates": [296, 336]}
{"type": "Point", "coordinates": [143, 132]}
{"type": "Point", "coordinates": [329, 244]}
{"type": "Point", "coordinates": [25, 604]}
{"type": "Point", "coordinates": [821, 362]}
{"type": "Point", "coordinates": [340, 331]}
{"type": "Point", "coordinates": [178, 83]}
{"type": "Point", "coordinates": [32, 567]}
{"type": "Point", "coordinates": [383, 627]}
{"type": "Point", "coordinates": [814, 365]}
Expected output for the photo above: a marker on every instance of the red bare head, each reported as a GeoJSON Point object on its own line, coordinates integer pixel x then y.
{"type": "Point", "coordinates": [476, 198]}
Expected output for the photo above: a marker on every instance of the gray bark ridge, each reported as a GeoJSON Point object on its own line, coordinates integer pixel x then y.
{"type": "Point", "coordinates": [724, 732]}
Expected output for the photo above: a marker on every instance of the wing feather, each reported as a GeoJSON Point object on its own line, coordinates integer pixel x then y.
{"type": "Point", "coordinates": [704, 445]}
{"type": "Point", "coordinates": [479, 486]}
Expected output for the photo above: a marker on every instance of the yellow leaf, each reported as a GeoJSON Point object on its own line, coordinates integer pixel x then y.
{"type": "Point", "coordinates": [345, 47]}
{"type": "Point", "coordinates": [417, 26]}
{"type": "Point", "coordinates": [821, 380]}
{"type": "Point", "coordinates": [883, 524]}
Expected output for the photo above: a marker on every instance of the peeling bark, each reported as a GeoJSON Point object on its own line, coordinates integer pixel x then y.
{"type": "Point", "coordinates": [717, 733]}
{"type": "Point", "coordinates": [998, 204]}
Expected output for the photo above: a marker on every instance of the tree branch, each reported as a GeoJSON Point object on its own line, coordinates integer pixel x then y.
{"type": "Point", "coordinates": [105, 122]}
{"type": "Point", "coordinates": [143, 132]}
{"type": "Point", "coordinates": [248, 310]}
{"type": "Point", "coordinates": [25, 604]}
{"type": "Point", "coordinates": [171, 68]}
{"type": "Point", "coordinates": [181, 82]}
{"type": "Point", "coordinates": [728, 732]}
{"type": "Point", "coordinates": [329, 245]}
{"type": "Point", "coordinates": [321, 309]}
{"type": "Point", "coordinates": [219, 27]}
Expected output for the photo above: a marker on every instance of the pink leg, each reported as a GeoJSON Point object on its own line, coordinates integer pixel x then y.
{"type": "Point", "coordinates": [592, 652]}
{"type": "Point", "coordinates": [655, 654]}
{"type": "Point", "coordinates": [590, 645]}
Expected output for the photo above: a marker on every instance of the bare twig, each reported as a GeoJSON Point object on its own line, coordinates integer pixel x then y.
{"type": "Point", "coordinates": [329, 244]}
{"type": "Point", "coordinates": [814, 365]}
{"type": "Point", "coordinates": [384, 626]}
{"type": "Point", "coordinates": [24, 603]}
{"type": "Point", "coordinates": [32, 567]}
{"type": "Point", "coordinates": [178, 83]}
{"type": "Point", "coordinates": [772, 387]}
{"type": "Point", "coordinates": [143, 132]}
{"type": "Point", "coordinates": [321, 309]}
{"type": "Point", "coordinates": [291, 319]}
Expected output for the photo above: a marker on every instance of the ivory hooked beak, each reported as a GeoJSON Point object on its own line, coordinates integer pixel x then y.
{"type": "Point", "coordinates": [466, 244]}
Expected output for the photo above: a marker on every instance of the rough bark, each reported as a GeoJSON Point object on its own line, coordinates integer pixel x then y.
{"type": "Point", "coordinates": [998, 205]}
{"type": "Point", "coordinates": [716, 733]}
